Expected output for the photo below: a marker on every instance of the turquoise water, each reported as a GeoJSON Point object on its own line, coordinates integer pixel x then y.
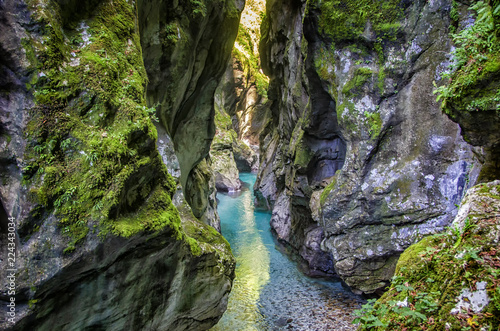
{"type": "Point", "coordinates": [269, 292]}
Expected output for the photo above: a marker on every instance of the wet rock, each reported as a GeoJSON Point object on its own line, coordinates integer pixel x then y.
{"type": "Point", "coordinates": [100, 245]}
{"type": "Point", "coordinates": [182, 83]}
{"type": "Point", "coordinates": [357, 144]}
{"type": "Point", "coordinates": [225, 170]}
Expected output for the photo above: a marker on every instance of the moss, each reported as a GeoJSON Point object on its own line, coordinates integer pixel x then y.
{"type": "Point", "coordinates": [198, 235]}
{"type": "Point", "coordinates": [490, 192]}
{"type": "Point", "coordinates": [360, 77]}
{"type": "Point", "coordinates": [474, 84]}
{"type": "Point", "coordinates": [432, 273]}
{"type": "Point", "coordinates": [324, 62]}
{"type": "Point", "coordinates": [298, 147]}
{"type": "Point", "coordinates": [91, 151]}
{"type": "Point", "coordinates": [347, 115]}
{"type": "Point", "coordinates": [225, 137]}
{"type": "Point", "coordinates": [326, 191]}
{"type": "Point", "coordinates": [246, 50]}
{"type": "Point", "coordinates": [303, 155]}
{"type": "Point", "coordinates": [32, 303]}
{"type": "Point", "coordinates": [381, 80]}
{"type": "Point", "coordinates": [346, 20]}
{"type": "Point", "coordinates": [375, 124]}
{"type": "Point", "coordinates": [156, 213]}
{"type": "Point", "coordinates": [223, 121]}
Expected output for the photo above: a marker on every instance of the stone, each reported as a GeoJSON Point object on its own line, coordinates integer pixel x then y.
{"type": "Point", "coordinates": [105, 238]}
{"type": "Point", "coordinates": [474, 301]}
{"type": "Point", "coordinates": [182, 83]}
{"type": "Point", "coordinates": [455, 270]}
{"type": "Point", "coordinates": [226, 172]}
{"type": "Point", "coordinates": [356, 143]}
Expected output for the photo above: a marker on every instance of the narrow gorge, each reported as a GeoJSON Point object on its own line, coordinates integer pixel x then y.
{"type": "Point", "coordinates": [249, 165]}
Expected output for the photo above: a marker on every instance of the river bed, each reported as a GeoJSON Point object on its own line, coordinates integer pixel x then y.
{"type": "Point", "coordinates": [269, 292]}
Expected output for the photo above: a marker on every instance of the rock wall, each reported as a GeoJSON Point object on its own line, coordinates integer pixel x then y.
{"type": "Point", "coordinates": [449, 280]}
{"type": "Point", "coordinates": [471, 94]}
{"type": "Point", "coordinates": [237, 97]}
{"type": "Point", "coordinates": [359, 161]}
{"type": "Point", "coordinates": [104, 239]}
{"type": "Point", "coordinates": [186, 49]}
{"type": "Point", "coordinates": [241, 105]}
{"type": "Point", "coordinates": [222, 152]}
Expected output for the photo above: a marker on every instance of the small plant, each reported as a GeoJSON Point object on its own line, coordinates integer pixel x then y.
{"type": "Point", "coordinates": [171, 34]}
{"type": "Point", "coordinates": [66, 197]}
{"type": "Point", "coordinates": [199, 8]}
{"type": "Point", "coordinates": [98, 206]}
{"type": "Point", "coordinates": [367, 315]}
{"type": "Point", "coordinates": [375, 123]}
{"type": "Point", "coordinates": [91, 157]}
{"type": "Point", "coordinates": [460, 232]}
{"type": "Point", "coordinates": [39, 148]}
{"type": "Point", "coordinates": [404, 287]}
{"type": "Point", "coordinates": [151, 112]}
{"type": "Point", "coordinates": [474, 59]}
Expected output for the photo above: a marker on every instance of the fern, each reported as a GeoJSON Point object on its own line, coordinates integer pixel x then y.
{"type": "Point", "coordinates": [484, 14]}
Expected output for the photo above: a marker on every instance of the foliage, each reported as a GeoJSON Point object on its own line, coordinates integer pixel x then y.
{"type": "Point", "coordinates": [432, 273]}
{"type": "Point", "coordinates": [346, 20]}
{"type": "Point", "coordinates": [246, 52]}
{"type": "Point", "coordinates": [473, 77]}
{"type": "Point", "coordinates": [375, 123]}
{"type": "Point", "coordinates": [198, 7]}
{"type": "Point", "coordinates": [360, 77]}
{"type": "Point", "coordinates": [326, 191]}
{"type": "Point", "coordinates": [170, 34]}
{"type": "Point", "coordinates": [91, 142]}
{"type": "Point", "coordinates": [225, 136]}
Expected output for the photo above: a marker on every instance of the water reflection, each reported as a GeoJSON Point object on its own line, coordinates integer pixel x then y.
{"type": "Point", "coordinates": [239, 226]}
{"type": "Point", "coordinates": [269, 293]}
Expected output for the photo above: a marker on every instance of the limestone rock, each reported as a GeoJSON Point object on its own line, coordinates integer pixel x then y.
{"type": "Point", "coordinates": [100, 244]}
{"type": "Point", "coordinates": [452, 276]}
{"type": "Point", "coordinates": [355, 119]}
{"type": "Point", "coordinates": [186, 47]}
{"type": "Point", "coordinates": [226, 172]}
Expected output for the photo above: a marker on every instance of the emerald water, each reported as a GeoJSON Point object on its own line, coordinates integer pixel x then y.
{"type": "Point", "coordinates": [269, 292]}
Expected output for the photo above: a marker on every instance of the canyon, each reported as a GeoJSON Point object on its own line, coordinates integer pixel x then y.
{"type": "Point", "coordinates": [371, 126]}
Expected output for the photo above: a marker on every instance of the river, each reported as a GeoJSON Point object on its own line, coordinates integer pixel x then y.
{"type": "Point", "coordinates": [269, 292]}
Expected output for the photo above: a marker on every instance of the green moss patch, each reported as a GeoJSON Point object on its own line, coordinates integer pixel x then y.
{"type": "Point", "coordinates": [225, 137]}
{"type": "Point", "coordinates": [298, 147]}
{"type": "Point", "coordinates": [432, 274]}
{"type": "Point", "coordinates": [326, 191]}
{"type": "Point", "coordinates": [346, 20]}
{"type": "Point", "coordinates": [474, 83]}
{"type": "Point", "coordinates": [360, 77]}
{"type": "Point", "coordinates": [245, 50]}
{"type": "Point", "coordinates": [375, 124]}
{"type": "Point", "coordinates": [91, 154]}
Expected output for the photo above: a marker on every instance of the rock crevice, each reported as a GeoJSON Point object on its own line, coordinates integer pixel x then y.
{"type": "Point", "coordinates": [357, 145]}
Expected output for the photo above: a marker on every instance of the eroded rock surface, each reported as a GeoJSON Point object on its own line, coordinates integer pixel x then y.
{"type": "Point", "coordinates": [104, 240]}
{"type": "Point", "coordinates": [186, 49]}
{"type": "Point", "coordinates": [452, 276]}
{"type": "Point", "coordinates": [357, 144]}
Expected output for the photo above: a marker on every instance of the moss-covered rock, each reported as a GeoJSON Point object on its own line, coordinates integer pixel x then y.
{"type": "Point", "coordinates": [89, 192]}
{"type": "Point", "coordinates": [356, 133]}
{"type": "Point", "coordinates": [221, 154]}
{"type": "Point", "coordinates": [448, 281]}
{"type": "Point", "coordinates": [91, 156]}
{"type": "Point", "coordinates": [471, 93]}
